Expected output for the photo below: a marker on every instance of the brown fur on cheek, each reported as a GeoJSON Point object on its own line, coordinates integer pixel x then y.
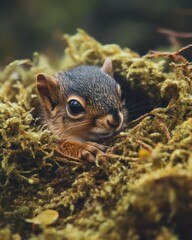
{"type": "Point", "coordinates": [78, 129]}
{"type": "Point", "coordinates": [54, 121]}
{"type": "Point", "coordinates": [66, 128]}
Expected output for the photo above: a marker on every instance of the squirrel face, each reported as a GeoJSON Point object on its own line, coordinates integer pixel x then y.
{"type": "Point", "coordinates": [82, 103]}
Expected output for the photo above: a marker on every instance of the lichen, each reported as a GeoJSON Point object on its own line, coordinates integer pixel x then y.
{"type": "Point", "coordinates": [139, 189]}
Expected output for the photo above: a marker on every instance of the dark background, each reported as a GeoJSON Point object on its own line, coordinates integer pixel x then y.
{"type": "Point", "coordinates": [38, 25]}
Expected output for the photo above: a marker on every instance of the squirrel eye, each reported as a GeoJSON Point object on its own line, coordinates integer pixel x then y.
{"type": "Point", "coordinates": [74, 107]}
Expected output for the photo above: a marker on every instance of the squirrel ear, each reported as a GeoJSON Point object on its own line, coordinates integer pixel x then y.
{"type": "Point", "coordinates": [48, 88]}
{"type": "Point", "coordinates": [107, 67]}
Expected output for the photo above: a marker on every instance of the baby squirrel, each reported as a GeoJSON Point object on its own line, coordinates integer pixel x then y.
{"type": "Point", "coordinates": [81, 106]}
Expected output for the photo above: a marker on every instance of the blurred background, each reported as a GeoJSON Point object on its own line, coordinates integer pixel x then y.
{"type": "Point", "coordinates": [38, 25]}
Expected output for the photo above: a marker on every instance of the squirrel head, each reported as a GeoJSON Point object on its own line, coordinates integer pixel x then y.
{"type": "Point", "coordinates": [84, 103]}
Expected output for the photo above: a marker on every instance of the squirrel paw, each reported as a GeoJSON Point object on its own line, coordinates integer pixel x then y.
{"type": "Point", "coordinates": [90, 150]}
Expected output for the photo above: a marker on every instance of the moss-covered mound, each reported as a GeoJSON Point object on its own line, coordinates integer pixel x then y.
{"type": "Point", "coordinates": [140, 189]}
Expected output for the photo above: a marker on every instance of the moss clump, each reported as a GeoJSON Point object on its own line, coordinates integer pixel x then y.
{"type": "Point", "coordinates": [139, 189]}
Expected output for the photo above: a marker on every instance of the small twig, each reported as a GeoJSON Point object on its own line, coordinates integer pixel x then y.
{"type": "Point", "coordinates": [144, 145]}
{"type": "Point", "coordinates": [169, 54]}
{"type": "Point", "coordinates": [119, 156]}
{"type": "Point", "coordinates": [166, 130]}
{"type": "Point", "coordinates": [175, 34]}
{"type": "Point", "coordinates": [183, 49]}
{"type": "Point", "coordinates": [139, 119]}
{"type": "Point", "coordinates": [162, 125]}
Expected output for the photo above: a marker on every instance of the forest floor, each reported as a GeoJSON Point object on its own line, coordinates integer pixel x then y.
{"type": "Point", "coordinates": [141, 188]}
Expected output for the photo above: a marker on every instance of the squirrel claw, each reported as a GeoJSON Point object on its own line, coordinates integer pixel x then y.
{"type": "Point", "coordinates": [91, 149]}
{"type": "Point", "coordinates": [88, 156]}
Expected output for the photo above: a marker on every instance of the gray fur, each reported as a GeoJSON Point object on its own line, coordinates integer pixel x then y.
{"type": "Point", "coordinates": [96, 87]}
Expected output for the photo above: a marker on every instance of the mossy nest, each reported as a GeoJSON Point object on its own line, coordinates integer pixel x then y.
{"type": "Point", "coordinates": [140, 189]}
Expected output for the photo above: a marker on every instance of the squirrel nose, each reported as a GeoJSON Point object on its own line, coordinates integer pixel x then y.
{"type": "Point", "coordinates": [112, 124]}
{"type": "Point", "coordinates": [114, 120]}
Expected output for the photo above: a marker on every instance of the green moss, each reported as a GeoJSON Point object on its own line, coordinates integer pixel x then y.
{"type": "Point", "coordinates": [139, 189]}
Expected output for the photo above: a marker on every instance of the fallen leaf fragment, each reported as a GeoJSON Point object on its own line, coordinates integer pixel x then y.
{"type": "Point", "coordinates": [45, 218]}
